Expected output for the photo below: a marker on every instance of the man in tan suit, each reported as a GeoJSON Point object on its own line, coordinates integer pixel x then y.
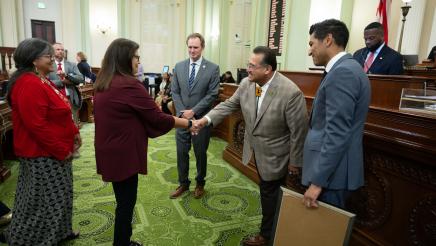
{"type": "Point", "coordinates": [275, 117]}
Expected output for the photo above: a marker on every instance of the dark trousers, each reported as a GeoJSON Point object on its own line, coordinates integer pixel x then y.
{"type": "Point", "coordinates": [3, 209]}
{"type": "Point", "coordinates": [125, 195]}
{"type": "Point", "coordinates": [269, 195]}
{"type": "Point", "coordinates": [201, 143]}
{"type": "Point", "coordinates": [336, 198]}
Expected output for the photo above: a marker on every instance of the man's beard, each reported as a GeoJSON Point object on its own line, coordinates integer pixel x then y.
{"type": "Point", "coordinates": [375, 47]}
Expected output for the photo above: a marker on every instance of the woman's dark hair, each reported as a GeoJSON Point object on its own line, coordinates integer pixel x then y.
{"type": "Point", "coordinates": [116, 60]}
{"type": "Point", "coordinates": [25, 54]}
{"type": "Point", "coordinates": [229, 79]}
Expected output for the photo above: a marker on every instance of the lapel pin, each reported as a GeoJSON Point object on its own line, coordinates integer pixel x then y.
{"type": "Point", "coordinates": [380, 58]}
{"type": "Point", "coordinates": [204, 66]}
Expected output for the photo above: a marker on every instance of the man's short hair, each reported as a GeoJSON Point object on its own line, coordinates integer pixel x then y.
{"type": "Point", "coordinates": [196, 35]}
{"type": "Point", "coordinates": [269, 56]}
{"type": "Point", "coordinates": [337, 28]}
{"type": "Point", "coordinates": [374, 25]}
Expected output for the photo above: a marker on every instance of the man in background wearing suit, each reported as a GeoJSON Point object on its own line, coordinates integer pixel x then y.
{"type": "Point", "coordinates": [194, 88]}
{"type": "Point", "coordinates": [66, 77]}
{"type": "Point", "coordinates": [377, 57]}
{"type": "Point", "coordinates": [333, 154]}
{"type": "Point", "coordinates": [275, 116]}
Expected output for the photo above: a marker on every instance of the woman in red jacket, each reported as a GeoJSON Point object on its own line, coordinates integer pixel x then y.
{"type": "Point", "coordinates": [45, 137]}
{"type": "Point", "coordinates": [125, 117]}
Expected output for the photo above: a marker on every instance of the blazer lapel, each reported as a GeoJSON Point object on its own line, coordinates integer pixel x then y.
{"type": "Point", "coordinates": [379, 58]}
{"type": "Point", "coordinates": [200, 73]}
{"type": "Point", "coordinates": [185, 75]}
{"type": "Point", "coordinates": [270, 94]}
{"type": "Point", "coordinates": [251, 100]}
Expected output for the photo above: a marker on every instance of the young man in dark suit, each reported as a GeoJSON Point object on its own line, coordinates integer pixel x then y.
{"type": "Point", "coordinates": [333, 152]}
{"type": "Point", "coordinates": [377, 57]}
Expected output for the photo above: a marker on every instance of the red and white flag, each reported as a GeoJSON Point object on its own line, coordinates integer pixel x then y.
{"type": "Point", "coordinates": [383, 10]}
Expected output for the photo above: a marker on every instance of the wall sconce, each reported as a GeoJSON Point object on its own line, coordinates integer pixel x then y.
{"type": "Point", "coordinates": [176, 3]}
{"type": "Point", "coordinates": [103, 28]}
{"type": "Point", "coordinates": [405, 10]}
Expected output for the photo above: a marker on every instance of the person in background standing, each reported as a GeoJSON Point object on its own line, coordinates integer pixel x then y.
{"type": "Point", "coordinates": [66, 76]}
{"type": "Point", "coordinates": [84, 67]}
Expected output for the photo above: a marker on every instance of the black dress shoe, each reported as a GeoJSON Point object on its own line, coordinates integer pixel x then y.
{"type": "Point", "coordinates": [257, 240]}
{"type": "Point", "coordinates": [6, 219]}
{"type": "Point", "coordinates": [72, 236]}
{"type": "Point", "coordinates": [134, 243]}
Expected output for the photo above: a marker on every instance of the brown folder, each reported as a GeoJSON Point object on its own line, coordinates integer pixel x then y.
{"type": "Point", "coordinates": [300, 226]}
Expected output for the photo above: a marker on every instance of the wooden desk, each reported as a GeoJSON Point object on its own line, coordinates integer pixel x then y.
{"type": "Point", "coordinates": [87, 109]}
{"type": "Point", "coordinates": [430, 74]}
{"type": "Point", "coordinates": [5, 139]}
{"type": "Point", "coordinates": [396, 206]}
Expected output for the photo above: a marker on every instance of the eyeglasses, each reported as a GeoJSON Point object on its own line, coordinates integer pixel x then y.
{"type": "Point", "coordinates": [136, 56]}
{"type": "Point", "coordinates": [51, 57]}
{"type": "Point", "coordinates": [252, 66]}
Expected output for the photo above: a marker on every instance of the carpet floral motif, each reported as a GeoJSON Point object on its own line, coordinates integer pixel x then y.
{"type": "Point", "coordinates": [229, 211]}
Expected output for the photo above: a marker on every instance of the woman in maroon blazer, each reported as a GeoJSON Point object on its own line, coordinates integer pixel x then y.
{"type": "Point", "coordinates": [125, 117]}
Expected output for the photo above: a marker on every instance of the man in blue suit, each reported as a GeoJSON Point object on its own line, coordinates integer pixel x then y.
{"type": "Point", "coordinates": [377, 57]}
{"type": "Point", "coordinates": [333, 155]}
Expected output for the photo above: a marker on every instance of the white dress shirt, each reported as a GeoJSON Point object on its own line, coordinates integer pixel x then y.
{"type": "Point", "coordinates": [197, 66]}
{"type": "Point", "coordinates": [376, 52]}
{"type": "Point", "coordinates": [264, 89]}
{"type": "Point", "coordinates": [258, 100]}
{"type": "Point", "coordinates": [334, 60]}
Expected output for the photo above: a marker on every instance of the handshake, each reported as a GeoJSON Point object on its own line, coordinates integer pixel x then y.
{"type": "Point", "coordinates": [197, 125]}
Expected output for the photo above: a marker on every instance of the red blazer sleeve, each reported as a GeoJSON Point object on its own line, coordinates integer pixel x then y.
{"type": "Point", "coordinates": [34, 105]}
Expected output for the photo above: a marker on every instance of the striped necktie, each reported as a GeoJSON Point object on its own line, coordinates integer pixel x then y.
{"type": "Point", "coordinates": [191, 76]}
{"type": "Point", "coordinates": [368, 62]}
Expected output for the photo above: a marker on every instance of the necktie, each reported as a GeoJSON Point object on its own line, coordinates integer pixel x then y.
{"type": "Point", "coordinates": [191, 76]}
{"type": "Point", "coordinates": [258, 94]}
{"type": "Point", "coordinates": [60, 69]}
{"type": "Point", "coordinates": [368, 62]}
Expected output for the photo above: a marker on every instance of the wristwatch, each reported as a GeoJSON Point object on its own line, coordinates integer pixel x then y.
{"type": "Point", "coordinates": [189, 124]}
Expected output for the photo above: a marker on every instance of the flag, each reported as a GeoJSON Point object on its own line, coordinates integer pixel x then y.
{"type": "Point", "coordinates": [383, 10]}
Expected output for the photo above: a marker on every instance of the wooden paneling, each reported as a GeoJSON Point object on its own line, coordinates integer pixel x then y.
{"type": "Point", "coordinates": [7, 62]}
{"type": "Point", "coordinates": [398, 202]}
{"type": "Point", "coordinates": [430, 74]}
{"type": "Point", "coordinates": [5, 142]}
{"type": "Point", "coordinates": [87, 109]}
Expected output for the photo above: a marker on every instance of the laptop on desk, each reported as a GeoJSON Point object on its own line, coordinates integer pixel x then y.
{"type": "Point", "coordinates": [410, 60]}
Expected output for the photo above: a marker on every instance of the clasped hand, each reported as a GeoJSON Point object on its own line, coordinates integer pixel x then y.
{"type": "Point", "coordinates": [197, 125]}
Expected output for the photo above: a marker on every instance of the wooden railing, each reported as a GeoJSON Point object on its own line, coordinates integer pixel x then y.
{"type": "Point", "coordinates": [7, 62]}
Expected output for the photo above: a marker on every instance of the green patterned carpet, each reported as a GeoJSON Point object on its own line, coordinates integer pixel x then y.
{"type": "Point", "coordinates": [229, 211]}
